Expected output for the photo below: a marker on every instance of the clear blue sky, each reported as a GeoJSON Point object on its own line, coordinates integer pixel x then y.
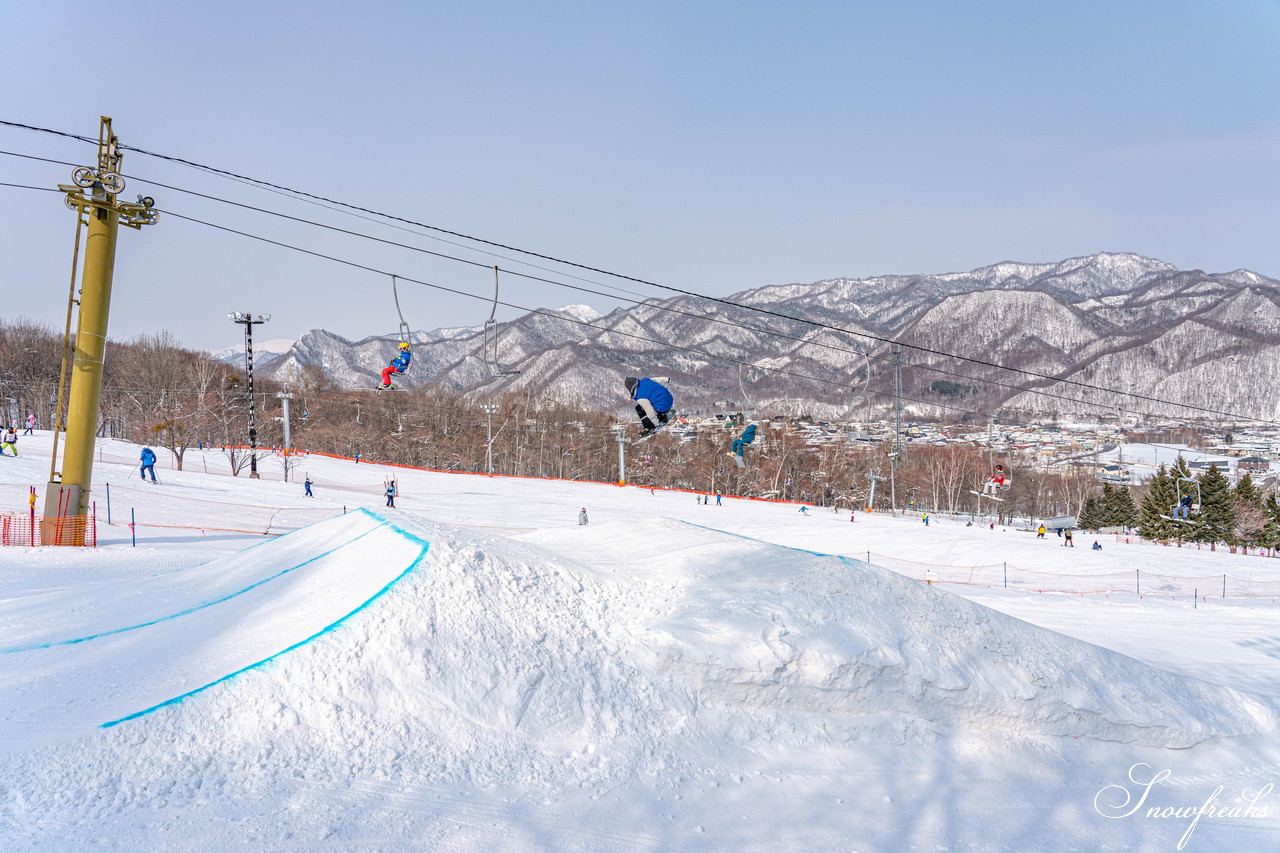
{"type": "Point", "coordinates": [713, 146]}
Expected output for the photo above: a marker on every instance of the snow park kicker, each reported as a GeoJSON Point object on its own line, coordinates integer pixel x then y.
{"type": "Point", "coordinates": [189, 629]}
{"type": "Point", "coordinates": [644, 685]}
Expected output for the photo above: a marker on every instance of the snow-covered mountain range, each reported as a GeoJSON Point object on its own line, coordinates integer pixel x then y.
{"type": "Point", "coordinates": [1113, 321]}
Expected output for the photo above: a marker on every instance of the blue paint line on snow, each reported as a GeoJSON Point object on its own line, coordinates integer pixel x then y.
{"type": "Point", "coordinates": [327, 629]}
{"type": "Point", "coordinates": [200, 606]}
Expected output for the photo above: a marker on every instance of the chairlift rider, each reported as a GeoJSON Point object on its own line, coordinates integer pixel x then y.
{"type": "Point", "coordinates": [995, 481]}
{"type": "Point", "coordinates": [399, 364]}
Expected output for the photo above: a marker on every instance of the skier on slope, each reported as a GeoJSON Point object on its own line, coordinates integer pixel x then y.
{"type": "Point", "coordinates": [148, 457]}
{"type": "Point", "coordinates": [10, 441]}
{"type": "Point", "coordinates": [653, 403]}
{"type": "Point", "coordinates": [399, 364]}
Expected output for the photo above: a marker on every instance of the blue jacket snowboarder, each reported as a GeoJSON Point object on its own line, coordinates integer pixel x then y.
{"type": "Point", "coordinates": [748, 436]}
{"type": "Point", "coordinates": [653, 403]}
{"type": "Point", "coordinates": [399, 364]}
{"type": "Point", "coordinates": [148, 457]}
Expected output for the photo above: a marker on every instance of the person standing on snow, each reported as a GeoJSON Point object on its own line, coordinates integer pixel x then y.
{"type": "Point", "coordinates": [582, 517]}
{"type": "Point", "coordinates": [31, 424]}
{"type": "Point", "coordinates": [10, 441]}
{"type": "Point", "coordinates": [391, 494]}
{"type": "Point", "coordinates": [399, 364]}
{"type": "Point", "coordinates": [148, 457]}
{"type": "Point", "coordinates": [307, 485]}
{"type": "Point", "coordinates": [653, 403]}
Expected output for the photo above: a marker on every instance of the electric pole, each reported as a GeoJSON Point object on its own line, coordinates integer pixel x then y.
{"type": "Point", "coordinates": [249, 321]}
{"type": "Point", "coordinates": [93, 196]}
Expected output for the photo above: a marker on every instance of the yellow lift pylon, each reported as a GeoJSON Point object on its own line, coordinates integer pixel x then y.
{"type": "Point", "coordinates": [93, 196]}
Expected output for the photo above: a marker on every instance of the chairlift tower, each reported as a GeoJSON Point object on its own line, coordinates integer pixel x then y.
{"type": "Point", "coordinates": [93, 195]}
{"type": "Point", "coordinates": [284, 397]}
{"type": "Point", "coordinates": [489, 410]}
{"type": "Point", "coordinates": [874, 478]}
{"type": "Point", "coordinates": [620, 434]}
{"type": "Point", "coordinates": [897, 398]}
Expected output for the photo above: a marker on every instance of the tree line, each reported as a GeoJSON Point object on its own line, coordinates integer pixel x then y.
{"type": "Point", "coordinates": [157, 392]}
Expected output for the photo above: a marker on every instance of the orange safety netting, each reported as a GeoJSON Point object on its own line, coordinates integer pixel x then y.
{"type": "Point", "coordinates": [35, 530]}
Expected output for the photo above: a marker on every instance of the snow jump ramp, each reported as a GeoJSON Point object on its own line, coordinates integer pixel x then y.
{"type": "Point", "coordinates": [164, 638]}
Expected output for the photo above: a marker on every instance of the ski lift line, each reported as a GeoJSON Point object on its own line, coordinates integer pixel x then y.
{"type": "Point", "coordinates": [75, 136]}
{"type": "Point", "coordinates": [722, 359]}
{"type": "Point", "coordinates": [866, 355]}
{"type": "Point", "coordinates": [925, 350]}
{"type": "Point", "coordinates": [771, 333]}
{"type": "Point", "coordinates": [379, 222]}
{"type": "Point", "coordinates": [41, 159]}
{"type": "Point", "coordinates": [931, 369]}
{"type": "Point", "coordinates": [552, 258]}
{"type": "Point", "coordinates": [29, 187]}
{"type": "Point", "coordinates": [936, 404]}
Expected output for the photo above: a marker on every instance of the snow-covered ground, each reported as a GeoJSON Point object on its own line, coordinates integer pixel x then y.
{"type": "Point", "coordinates": [473, 670]}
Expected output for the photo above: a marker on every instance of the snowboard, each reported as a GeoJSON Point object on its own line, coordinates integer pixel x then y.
{"type": "Point", "coordinates": [648, 434]}
{"type": "Point", "coordinates": [985, 495]}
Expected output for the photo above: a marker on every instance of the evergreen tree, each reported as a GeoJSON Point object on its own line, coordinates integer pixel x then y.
{"type": "Point", "coordinates": [1251, 516]}
{"type": "Point", "coordinates": [1092, 514]}
{"type": "Point", "coordinates": [1217, 509]}
{"type": "Point", "coordinates": [1247, 492]}
{"type": "Point", "coordinates": [1119, 508]}
{"type": "Point", "coordinates": [1270, 537]}
{"type": "Point", "coordinates": [1154, 515]}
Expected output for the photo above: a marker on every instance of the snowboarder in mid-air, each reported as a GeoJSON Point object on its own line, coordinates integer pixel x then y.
{"type": "Point", "coordinates": [399, 364]}
{"type": "Point", "coordinates": [740, 445]}
{"type": "Point", "coordinates": [653, 403]}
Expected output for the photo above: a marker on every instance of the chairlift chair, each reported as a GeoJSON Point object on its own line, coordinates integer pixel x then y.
{"type": "Point", "coordinates": [1188, 496]}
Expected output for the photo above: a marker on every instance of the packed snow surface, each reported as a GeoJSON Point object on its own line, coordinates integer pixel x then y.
{"type": "Point", "coordinates": [474, 670]}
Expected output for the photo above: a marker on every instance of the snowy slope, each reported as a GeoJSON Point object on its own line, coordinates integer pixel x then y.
{"type": "Point", "coordinates": [665, 678]}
